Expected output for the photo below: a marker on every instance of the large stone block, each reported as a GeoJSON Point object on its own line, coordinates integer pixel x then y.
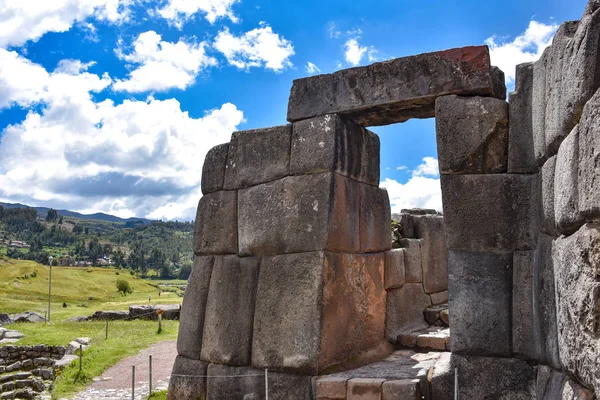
{"type": "Point", "coordinates": [483, 378]}
{"type": "Point", "coordinates": [490, 212]}
{"type": "Point", "coordinates": [229, 316]}
{"type": "Point", "coordinates": [404, 389]}
{"type": "Point", "coordinates": [553, 384]}
{"type": "Point", "coordinates": [544, 304]}
{"type": "Point", "coordinates": [566, 195]}
{"type": "Point", "coordinates": [234, 383]}
{"type": "Point", "coordinates": [331, 388]}
{"type": "Point", "coordinates": [330, 143]}
{"type": "Point", "coordinates": [375, 219]}
{"type": "Point", "coordinates": [404, 310]}
{"type": "Point", "coordinates": [300, 214]}
{"type": "Point", "coordinates": [396, 90]}
{"type": "Point", "coordinates": [480, 302]}
{"type": "Point", "coordinates": [216, 230]}
{"type": "Point", "coordinates": [548, 219]}
{"type": "Point", "coordinates": [193, 309]}
{"type": "Point", "coordinates": [188, 380]}
{"type": "Point", "coordinates": [394, 269]}
{"type": "Point", "coordinates": [364, 389]}
{"type": "Point", "coordinates": [306, 302]}
{"type": "Point", "coordinates": [258, 156]}
{"type": "Point", "coordinates": [521, 154]}
{"type": "Point", "coordinates": [538, 108]}
{"type": "Point", "coordinates": [213, 170]}
{"type": "Point", "coordinates": [413, 264]}
{"type": "Point", "coordinates": [589, 154]}
{"type": "Point", "coordinates": [434, 253]}
{"type": "Point", "coordinates": [522, 305]}
{"type": "Point", "coordinates": [577, 266]}
{"type": "Point", "coordinates": [472, 135]}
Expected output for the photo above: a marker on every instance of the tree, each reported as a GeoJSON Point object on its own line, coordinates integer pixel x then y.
{"type": "Point", "coordinates": [51, 215]}
{"type": "Point", "coordinates": [124, 287]}
{"type": "Point", "coordinates": [60, 220]}
{"type": "Point", "coordinates": [118, 258]}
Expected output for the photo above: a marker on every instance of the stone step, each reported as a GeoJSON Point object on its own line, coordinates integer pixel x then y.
{"type": "Point", "coordinates": [432, 338]}
{"type": "Point", "coordinates": [437, 315]}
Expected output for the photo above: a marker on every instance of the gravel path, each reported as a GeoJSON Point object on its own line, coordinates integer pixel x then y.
{"type": "Point", "coordinates": [115, 383]}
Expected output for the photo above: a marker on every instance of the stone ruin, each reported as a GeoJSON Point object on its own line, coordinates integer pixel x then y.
{"type": "Point", "coordinates": [294, 267]}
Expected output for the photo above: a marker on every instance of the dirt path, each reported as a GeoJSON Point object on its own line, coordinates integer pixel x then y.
{"type": "Point", "coordinates": [115, 383]}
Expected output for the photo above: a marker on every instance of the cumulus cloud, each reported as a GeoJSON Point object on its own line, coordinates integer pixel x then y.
{"type": "Point", "coordinates": [354, 51]}
{"type": "Point", "coordinates": [177, 12]}
{"type": "Point", "coordinates": [423, 189]}
{"type": "Point", "coordinates": [141, 158]}
{"type": "Point", "coordinates": [260, 47]}
{"type": "Point", "coordinates": [162, 65]}
{"type": "Point", "coordinates": [312, 68]}
{"type": "Point", "coordinates": [24, 20]}
{"type": "Point", "coordinates": [526, 47]}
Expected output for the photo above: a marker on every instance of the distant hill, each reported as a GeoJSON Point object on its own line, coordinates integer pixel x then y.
{"type": "Point", "coordinates": [97, 216]}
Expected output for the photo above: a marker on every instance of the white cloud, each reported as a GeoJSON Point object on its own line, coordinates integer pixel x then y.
{"type": "Point", "coordinates": [333, 30]}
{"type": "Point", "coordinates": [163, 65]}
{"type": "Point", "coordinates": [429, 167]}
{"type": "Point", "coordinates": [354, 51]}
{"type": "Point", "coordinates": [260, 47]}
{"type": "Point", "coordinates": [24, 20]}
{"type": "Point", "coordinates": [401, 168]}
{"type": "Point", "coordinates": [177, 12]}
{"type": "Point", "coordinates": [526, 47]}
{"type": "Point", "coordinates": [312, 68]}
{"type": "Point", "coordinates": [418, 192]}
{"type": "Point", "coordinates": [141, 158]}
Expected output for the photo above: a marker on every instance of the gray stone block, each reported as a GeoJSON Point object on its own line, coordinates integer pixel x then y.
{"type": "Point", "coordinates": [375, 220]}
{"type": "Point", "coordinates": [216, 230]}
{"type": "Point", "coordinates": [439, 298]}
{"type": "Point", "coordinates": [300, 214]}
{"type": "Point", "coordinates": [566, 195]}
{"type": "Point", "coordinates": [538, 108]}
{"type": "Point", "coordinates": [258, 156]}
{"type": "Point", "coordinates": [329, 143]}
{"type": "Point", "coordinates": [544, 304]}
{"type": "Point", "coordinates": [522, 305]}
{"type": "Point", "coordinates": [480, 302]}
{"type": "Point", "coordinates": [483, 378]}
{"type": "Point", "coordinates": [229, 316]}
{"type": "Point", "coordinates": [396, 90]}
{"type": "Point", "coordinates": [434, 253]}
{"type": "Point", "coordinates": [521, 154]}
{"type": "Point", "coordinates": [404, 310]}
{"type": "Point", "coordinates": [490, 212]}
{"type": "Point", "coordinates": [226, 382]}
{"type": "Point", "coordinates": [290, 387]}
{"type": "Point", "coordinates": [589, 167]}
{"type": "Point", "coordinates": [213, 170]}
{"type": "Point", "coordinates": [188, 380]}
{"type": "Point", "coordinates": [412, 259]}
{"type": "Point", "coordinates": [472, 135]}
{"type": "Point", "coordinates": [549, 383]}
{"type": "Point", "coordinates": [394, 269]}
{"type": "Point", "coordinates": [193, 309]}
{"type": "Point", "coordinates": [306, 302]}
{"type": "Point", "coordinates": [576, 266]}
{"type": "Point", "coordinates": [548, 219]}
{"type": "Point", "coordinates": [404, 389]}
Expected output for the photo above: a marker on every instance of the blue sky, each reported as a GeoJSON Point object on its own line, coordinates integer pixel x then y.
{"type": "Point", "coordinates": [111, 105]}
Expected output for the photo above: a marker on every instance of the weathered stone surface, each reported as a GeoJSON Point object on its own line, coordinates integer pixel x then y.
{"type": "Point", "coordinates": [5, 319]}
{"type": "Point", "coordinates": [216, 229]}
{"type": "Point", "coordinates": [193, 309]}
{"type": "Point", "coordinates": [490, 212]}
{"type": "Point", "coordinates": [306, 302]}
{"type": "Point", "coordinates": [405, 389]}
{"type": "Point", "coordinates": [213, 170]}
{"type": "Point", "coordinates": [300, 214]}
{"type": "Point", "coordinates": [538, 108]}
{"type": "Point", "coordinates": [404, 310]}
{"type": "Point", "coordinates": [110, 315]}
{"type": "Point", "coordinates": [394, 91]}
{"type": "Point", "coordinates": [577, 266]}
{"type": "Point", "coordinates": [483, 378]}
{"type": "Point", "coordinates": [394, 269]}
{"type": "Point", "coordinates": [522, 305]}
{"type": "Point", "coordinates": [434, 253]}
{"type": "Point", "coordinates": [566, 195]}
{"type": "Point", "coordinates": [364, 389]}
{"type": "Point", "coordinates": [331, 388]}
{"type": "Point", "coordinates": [412, 259]}
{"type": "Point", "coordinates": [589, 154]}
{"type": "Point", "coordinates": [434, 340]}
{"type": "Point", "coordinates": [28, 316]}
{"type": "Point", "coordinates": [472, 135]}
{"type": "Point", "coordinates": [290, 387]}
{"type": "Point", "coordinates": [480, 302]}
{"type": "Point", "coordinates": [182, 386]}
{"type": "Point", "coordinates": [375, 219]}
{"type": "Point", "coordinates": [439, 298]}
{"type": "Point", "coordinates": [248, 383]}
{"type": "Point", "coordinates": [548, 220]}
{"type": "Point", "coordinates": [329, 143]}
{"type": "Point", "coordinates": [258, 156]}
{"type": "Point", "coordinates": [544, 304]}
{"type": "Point", "coordinates": [553, 384]}
{"type": "Point", "coordinates": [521, 154]}
{"type": "Point", "coordinates": [229, 318]}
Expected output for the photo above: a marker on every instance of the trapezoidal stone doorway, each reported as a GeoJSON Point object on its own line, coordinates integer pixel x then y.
{"type": "Point", "coordinates": [292, 231]}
